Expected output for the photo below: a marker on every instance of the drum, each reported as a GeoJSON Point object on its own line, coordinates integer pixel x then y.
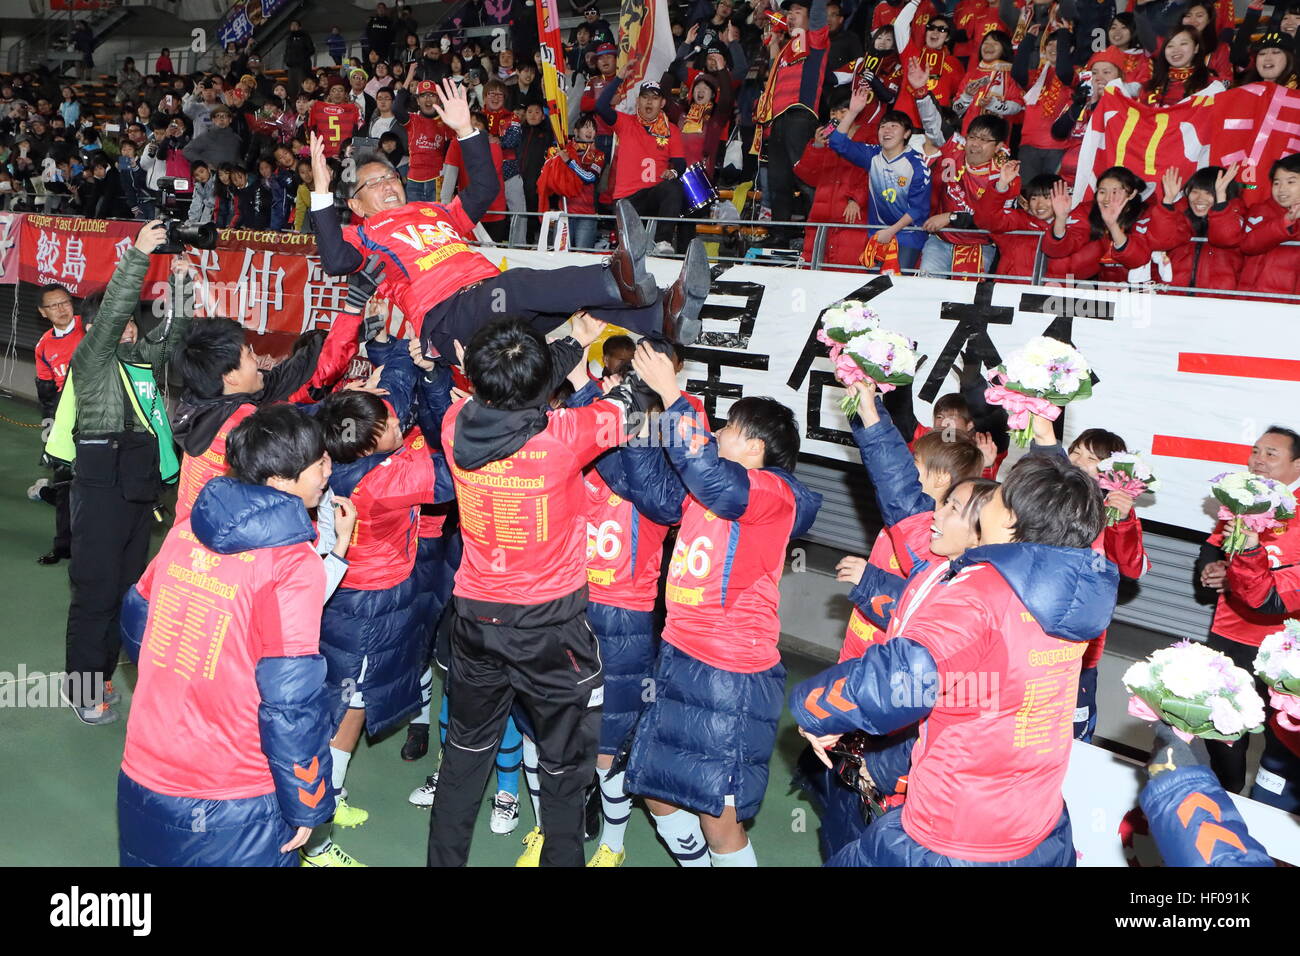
{"type": "Point", "coordinates": [699, 192]}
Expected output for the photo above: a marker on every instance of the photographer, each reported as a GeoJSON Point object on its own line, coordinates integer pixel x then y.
{"type": "Point", "coordinates": [121, 449]}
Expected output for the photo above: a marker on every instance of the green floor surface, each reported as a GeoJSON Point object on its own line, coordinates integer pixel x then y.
{"type": "Point", "coordinates": [58, 786]}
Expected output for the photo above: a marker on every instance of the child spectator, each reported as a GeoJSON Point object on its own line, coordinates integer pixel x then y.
{"type": "Point", "coordinates": [1047, 94]}
{"type": "Point", "coordinates": [988, 86]}
{"type": "Point", "coordinates": [899, 186]}
{"type": "Point", "coordinates": [1112, 238]}
{"type": "Point", "coordinates": [1260, 231]}
{"type": "Point", "coordinates": [1210, 192]}
{"type": "Point", "coordinates": [1019, 255]}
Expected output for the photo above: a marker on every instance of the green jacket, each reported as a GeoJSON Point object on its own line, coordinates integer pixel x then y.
{"type": "Point", "coordinates": [101, 399]}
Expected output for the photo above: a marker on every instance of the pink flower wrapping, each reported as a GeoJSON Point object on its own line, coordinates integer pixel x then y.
{"type": "Point", "coordinates": [1117, 481]}
{"type": "Point", "coordinates": [1138, 708]}
{"type": "Point", "coordinates": [1018, 405]}
{"type": "Point", "coordinates": [1288, 709]}
{"type": "Point", "coordinates": [847, 369]}
{"type": "Point", "coordinates": [1256, 523]}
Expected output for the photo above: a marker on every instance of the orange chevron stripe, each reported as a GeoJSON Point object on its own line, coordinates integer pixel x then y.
{"type": "Point", "coordinates": [836, 700]}
{"type": "Point", "coordinates": [1197, 800]}
{"type": "Point", "coordinates": [1211, 833]}
{"type": "Point", "coordinates": [810, 702]}
{"type": "Point", "coordinates": [879, 602]}
{"type": "Point", "coordinates": [309, 773]}
{"type": "Point", "coordinates": [311, 799]}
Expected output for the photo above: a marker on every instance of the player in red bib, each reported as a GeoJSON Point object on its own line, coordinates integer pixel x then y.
{"type": "Point", "coordinates": [988, 664]}
{"type": "Point", "coordinates": [519, 631]}
{"type": "Point", "coordinates": [226, 746]}
{"type": "Point", "coordinates": [702, 747]}
{"type": "Point", "coordinates": [449, 290]}
{"type": "Point", "coordinates": [334, 120]}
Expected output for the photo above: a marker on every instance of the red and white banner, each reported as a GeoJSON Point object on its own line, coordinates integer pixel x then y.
{"type": "Point", "coordinates": [270, 281]}
{"type": "Point", "coordinates": [1143, 138]}
{"type": "Point", "coordinates": [643, 32]}
{"type": "Point", "coordinates": [1255, 125]}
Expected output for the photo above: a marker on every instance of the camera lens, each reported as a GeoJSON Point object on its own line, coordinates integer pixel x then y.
{"type": "Point", "coordinates": [199, 235]}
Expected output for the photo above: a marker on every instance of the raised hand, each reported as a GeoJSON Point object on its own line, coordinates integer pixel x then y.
{"type": "Point", "coordinates": [454, 108]}
{"type": "Point", "coordinates": [320, 167]}
{"type": "Point", "coordinates": [918, 77]}
{"type": "Point", "coordinates": [625, 70]}
{"type": "Point", "coordinates": [1061, 200]}
{"type": "Point", "coordinates": [1008, 173]}
{"type": "Point", "coordinates": [859, 100]}
{"type": "Point", "coordinates": [1171, 183]}
{"type": "Point", "coordinates": [1223, 181]}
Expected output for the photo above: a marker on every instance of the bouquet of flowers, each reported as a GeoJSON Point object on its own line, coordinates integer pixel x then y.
{"type": "Point", "coordinates": [861, 350]}
{"type": "Point", "coordinates": [1250, 503]}
{"type": "Point", "coordinates": [1128, 473]}
{"type": "Point", "coordinates": [1278, 665]}
{"type": "Point", "coordinates": [1196, 691]}
{"type": "Point", "coordinates": [1040, 378]}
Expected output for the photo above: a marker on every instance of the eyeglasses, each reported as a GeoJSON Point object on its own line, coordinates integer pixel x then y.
{"type": "Point", "coordinates": [387, 177]}
{"type": "Point", "coordinates": [938, 28]}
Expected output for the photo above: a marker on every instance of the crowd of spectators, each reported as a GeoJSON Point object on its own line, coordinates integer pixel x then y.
{"type": "Point", "coordinates": [933, 140]}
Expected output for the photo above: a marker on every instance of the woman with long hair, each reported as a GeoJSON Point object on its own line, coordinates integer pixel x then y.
{"type": "Point", "coordinates": [1124, 35]}
{"type": "Point", "coordinates": [988, 86]}
{"type": "Point", "coordinates": [1180, 70]}
{"type": "Point", "coordinates": [1112, 238]}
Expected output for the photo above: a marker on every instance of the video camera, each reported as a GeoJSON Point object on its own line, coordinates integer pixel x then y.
{"type": "Point", "coordinates": [173, 210]}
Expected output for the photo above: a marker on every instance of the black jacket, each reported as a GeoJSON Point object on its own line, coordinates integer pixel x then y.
{"type": "Point", "coordinates": [298, 51]}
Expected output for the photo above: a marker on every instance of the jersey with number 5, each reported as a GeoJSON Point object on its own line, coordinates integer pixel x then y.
{"type": "Point", "coordinates": [723, 591]}
{"type": "Point", "coordinates": [334, 123]}
{"type": "Point", "coordinates": [624, 549]}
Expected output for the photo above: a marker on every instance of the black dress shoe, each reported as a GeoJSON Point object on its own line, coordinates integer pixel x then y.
{"type": "Point", "coordinates": [53, 557]}
{"type": "Point", "coordinates": [685, 297]}
{"type": "Point", "coordinates": [417, 742]}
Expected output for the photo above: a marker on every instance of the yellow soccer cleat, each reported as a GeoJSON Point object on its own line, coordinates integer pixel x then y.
{"type": "Point", "coordinates": [333, 856]}
{"type": "Point", "coordinates": [604, 856]}
{"type": "Point", "coordinates": [532, 855]}
{"type": "Point", "coordinates": [349, 816]}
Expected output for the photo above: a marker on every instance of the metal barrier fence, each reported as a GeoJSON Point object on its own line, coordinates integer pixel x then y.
{"type": "Point", "coordinates": [792, 259]}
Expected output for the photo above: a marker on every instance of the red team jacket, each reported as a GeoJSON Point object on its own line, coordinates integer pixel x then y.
{"type": "Point", "coordinates": [388, 499]}
{"type": "Point", "coordinates": [1098, 258]}
{"type": "Point", "coordinates": [1121, 543]}
{"type": "Point", "coordinates": [212, 617]}
{"type": "Point", "coordinates": [526, 544]}
{"type": "Point", "coordinates": [427, 243]}
{"type": "Point", "coordinates": [1234, 615]}
{"type": "Point", "coordinates": [1259, 233]}
{"type": "Point", "coordinates": [891, 552]}
{"type": "Point", "coordinates": [54, 353]}
{"type": "Point", "coordinates": [430, 138]}
{"type": "Point", "coordinates": [198, 470]}
{"type": "Point", "coordinates": [1202, 265]}
{"type": "Point", "coordinates": [835, 181]}
{"type": "Point", "coordinates": [624, 549]}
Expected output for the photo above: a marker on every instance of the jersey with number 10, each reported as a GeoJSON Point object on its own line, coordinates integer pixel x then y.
{"type": "Point", "coordinates": [334, 123]}
{"type": "Point", "coordinates": [624, 549]}
{"type": "Point", "coordinates": [724, 578]}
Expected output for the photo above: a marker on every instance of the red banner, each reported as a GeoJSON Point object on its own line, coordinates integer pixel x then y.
{"type": "Point", "coordinates": [1255, 125]}
{"type": "Point", "coordinates": [270, 281]}
{"type": "Point", "coordinates": [10, 226]}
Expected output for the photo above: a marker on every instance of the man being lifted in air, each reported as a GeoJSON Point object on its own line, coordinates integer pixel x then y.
{"type": "Point", "coordinates": [432, 272]}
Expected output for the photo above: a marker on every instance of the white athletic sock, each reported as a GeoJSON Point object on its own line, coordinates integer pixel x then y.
{"type": "Point", "coordinates": [742, 857]}
{"type": "Point", "coordinates": [680, 830]}
{"type": "Point", "coordinates": [530, 776]}
{"type": "Point", "coordinates": [319, 841]}
{"type": "Point", "coordinates": [615, 807]}
{"type": "Point", "coordinates": [340, 759]}
{"type": "Point", "coordinates": [426, 695]}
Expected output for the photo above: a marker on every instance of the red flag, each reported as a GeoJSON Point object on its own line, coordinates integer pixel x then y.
{"type": "Point", "coordinates": [644, 32]}
{"type": "Point", "coordinates": [1255, 125]}
{"type": "Point", "coordinates": [1143, 138]}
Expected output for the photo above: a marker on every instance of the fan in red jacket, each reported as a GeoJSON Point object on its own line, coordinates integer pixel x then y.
{"type": "Point", "coordinates": [1260, 231]}
{"type": "Point", "coordinates": [1111, 239]}
{"type": "Point", "coordinates": [930, 45]}
{"type": "Point", "coordinates": [878, 71]}
{"type": "Point", "coordinates": [1255, 594]}
{"type": "Point", "coordinates": [988, 86]}
{"type": "Point", "coordinates": [1018, 253]}
{"type": "Point", "coordinates": [841, 190]}
{"type": "Point", "coordinates": [1210, 193]}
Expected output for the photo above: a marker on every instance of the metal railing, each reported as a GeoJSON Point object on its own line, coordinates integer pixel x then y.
{"type": "Point", "coordinates": [794, 260]}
